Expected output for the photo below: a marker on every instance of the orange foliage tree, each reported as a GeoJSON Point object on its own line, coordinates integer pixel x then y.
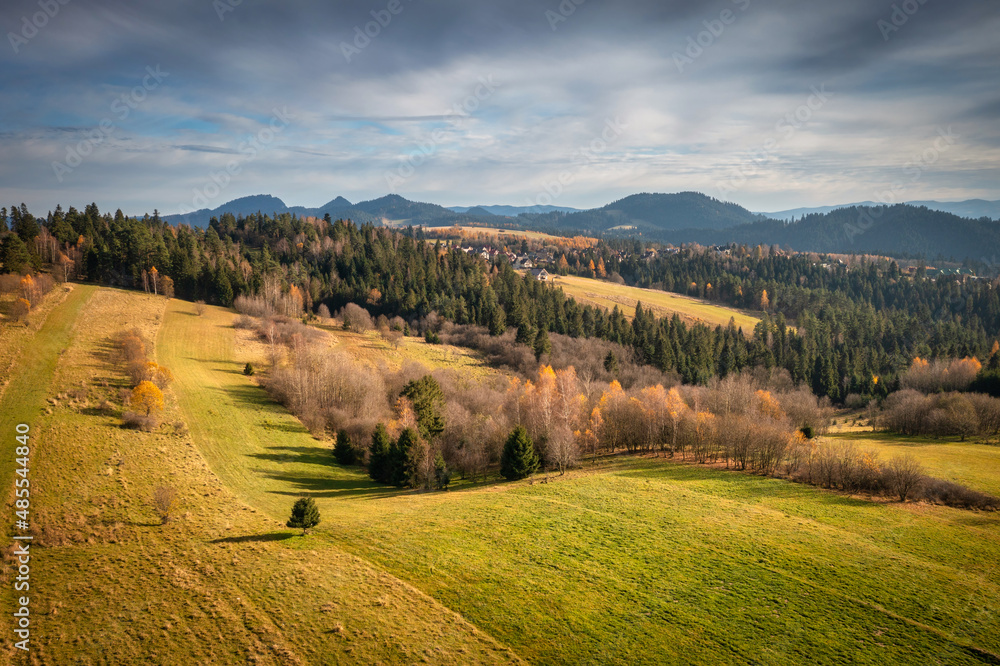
{"type": "Point", "coordinates": [147, 398]}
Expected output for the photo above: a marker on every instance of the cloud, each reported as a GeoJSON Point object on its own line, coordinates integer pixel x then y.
{"type": "Point", "coordinates": [558, 82]}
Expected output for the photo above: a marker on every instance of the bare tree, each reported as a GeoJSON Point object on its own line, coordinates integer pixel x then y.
{"type": "Point", "coordinates": [165, 501]}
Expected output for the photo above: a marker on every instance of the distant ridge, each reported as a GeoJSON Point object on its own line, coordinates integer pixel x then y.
{"type": "Point", "coordinates": [684, 217]}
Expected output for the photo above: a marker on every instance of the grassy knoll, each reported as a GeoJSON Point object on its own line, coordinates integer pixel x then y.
{"type": "Point", "coordinates": [223, 582]}
{"type": "Point", "coordinates": [371, 349]}
{"type": "Point", "coordinates": [664, 304]}
{"type": "Point", "coordinates": [970, 463]}
{"type": "Point", "coordinates": [632, 561]}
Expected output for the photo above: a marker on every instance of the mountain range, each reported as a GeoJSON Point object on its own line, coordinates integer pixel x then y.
{"type": "Point", "coordinates": [974, 208]}
{"type": "Point", "coordinates": [900, 230]}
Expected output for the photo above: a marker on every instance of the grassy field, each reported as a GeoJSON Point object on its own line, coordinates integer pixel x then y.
{"type": "Point", "coordinates": [372, 349]}
{"type": "Point", "coordinates": [223, 582]}
{"type": "Point", "coordinates": [970, 463]}
{"type": "Point", "coordinates": [631, 561]}
{"type": "Point", "coordinates": [664, 304]}
{"type": "Point", "coordinates": [635, 561]}
{"type": "Point", "coordinates": [502, 234]}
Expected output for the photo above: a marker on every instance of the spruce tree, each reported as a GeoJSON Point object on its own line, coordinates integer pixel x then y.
{"type": "Point", "coordinates": [304, 514]}
{"type": "Point", "coordinates": [428, 404]}
{"type": "Point", "coordinates": [542, 344]}
{"type": "Point", "coordinates": [343, 451]}
{"type": "Point", "coordinates": [404, 461]}
{"type": "Point", "coordinates": [519, 459]}
{"type": "Point", "coordinates": [379, 456]}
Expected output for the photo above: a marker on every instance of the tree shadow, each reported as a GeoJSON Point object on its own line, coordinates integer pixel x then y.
{"type": "Point", "coordinates": [304, 484]}
{"type": "Point", "coordinates": [255, 538]}
{"type": "Point", "coordinates": [307, 455]}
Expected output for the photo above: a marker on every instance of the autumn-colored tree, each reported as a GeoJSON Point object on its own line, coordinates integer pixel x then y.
{"type": "Point", "coordinates": [765, 302]}
{"type": "Point", "coordinates": [147, 398]}
{"type": "Point", "coordinates": [675, 408]}
{"type": "Point", "coordinates": [20, 309]}
{"type": "Point", "coordinates": [158, 374]}
{"type": "Point", "coordinates": [154, 276]}
{"type": "Point", "coordinates": [601, 271]}
{"type": "Point", "coordinates": [769, 406]}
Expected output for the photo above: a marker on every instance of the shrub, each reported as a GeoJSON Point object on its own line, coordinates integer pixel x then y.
{"type": "Point", "coordinates": [901, 475]}
{"type": "Point", "coordinates": [944, 492]}
{"type": "Point", "coordinates": [164, 501]}
{"type": "Point", "coordinates": [136, 421]}
{"type": "Point", "coordinates": [248, 369]}
{"type": "Point", "coordinates": [199, 308]}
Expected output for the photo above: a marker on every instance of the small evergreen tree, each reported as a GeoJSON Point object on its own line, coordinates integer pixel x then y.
{"type": "Point", "coordinates": [379, 455]}
{"type": "Point", "coordinates": [611, 363]}
{"type": "Point", "coordinates": [542, 344]}
{"type": "Point", "coordinates": [248, 369]}
{"type": "Point", "coordinates": [343, 450]}
{"type": "Point", "coordinates": [519, 459]}
{"type": "Point", "coordinates": [404, 463]}
{"type": "Point", "coordinates": [442, 475]}
{"type": "Point", "coordinates": [304, 514]}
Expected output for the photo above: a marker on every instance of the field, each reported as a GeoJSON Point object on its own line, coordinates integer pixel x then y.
{"type": "Point", "coordinates": [631, 560]}
{"type": "Point", "coordinates": [974, 464]}
{"type": "Point", "coordinates": [502, 234]}
{"type": "Point", "coordinates": [664, 304]}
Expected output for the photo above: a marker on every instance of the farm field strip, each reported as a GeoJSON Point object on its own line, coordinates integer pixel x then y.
{"type": "Point", "coordinates": [664, 304]}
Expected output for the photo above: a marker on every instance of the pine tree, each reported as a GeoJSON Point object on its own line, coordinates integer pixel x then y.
{"type": "Point", "coordinates": [611, 363]}
{"type": "Point", "coordinates": [379, 455]}
{"type": "Point", "coordinates": [428, 404]}
{"type": "Point", "coordinates": [304, 514]}
{"type": "Point", "coordinates": [519, 459]}
{"type": "Point", "coordinates": [404, 462]}
{"type": "Point", "coordinates": [343, 451]}
{"type": "Point", "coordinates": [542, 344]}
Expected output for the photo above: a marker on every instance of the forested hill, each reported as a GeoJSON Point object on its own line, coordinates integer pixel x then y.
{"type": "Point", "coordinates": [651, 214]}
{"type": "Point", "coordinates": [900, 230]}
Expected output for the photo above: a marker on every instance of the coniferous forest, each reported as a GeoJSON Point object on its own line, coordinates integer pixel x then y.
{"type": "Point", "coordinates": [842, 329]}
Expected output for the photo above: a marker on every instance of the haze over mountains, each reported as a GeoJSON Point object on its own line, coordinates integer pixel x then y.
{"type": "Point", "coordinates": [901, 230]}
{"type": "Point", "coordinates": [974, 208]}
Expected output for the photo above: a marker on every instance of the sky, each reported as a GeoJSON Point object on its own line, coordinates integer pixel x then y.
{"type": "Point", "coordinates": [181, 105]}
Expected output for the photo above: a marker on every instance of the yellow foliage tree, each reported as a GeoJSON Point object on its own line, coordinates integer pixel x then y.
{"type": "Point", "coordinates": [769, 406]}
{"type": "Point", "coordinates": [146, 397]}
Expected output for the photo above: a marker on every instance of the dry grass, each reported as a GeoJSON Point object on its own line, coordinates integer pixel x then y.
{"type": "Point", "coordinates": [222, 582]}
{"type": "Point", "coordinates": [664, 304]}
